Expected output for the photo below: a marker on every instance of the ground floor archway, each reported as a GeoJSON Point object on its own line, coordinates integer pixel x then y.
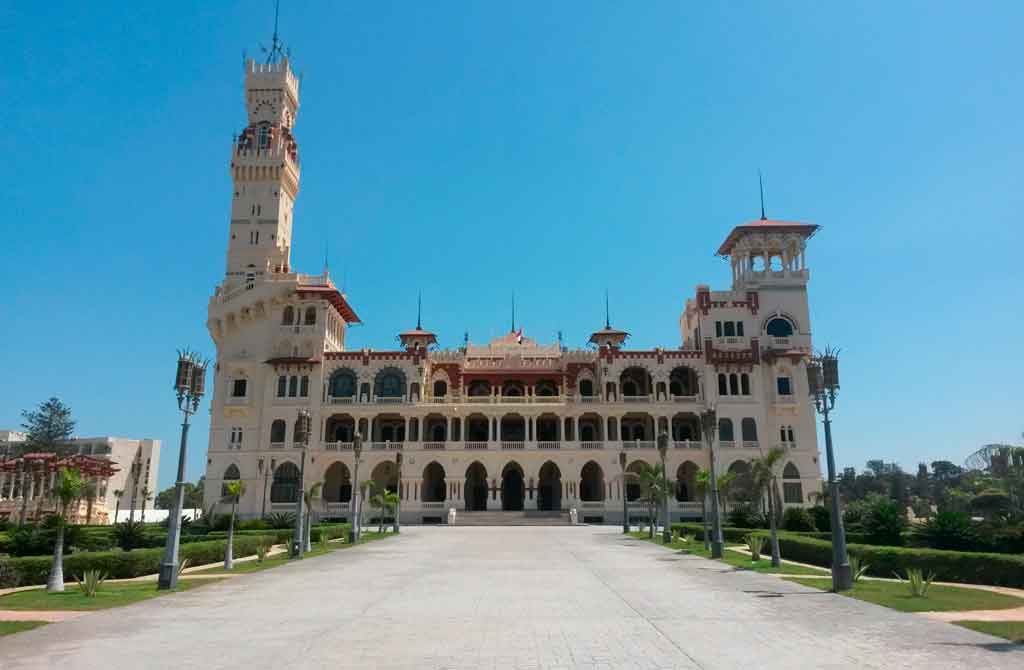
{"type": "Point", "coordinates": [513, 488]}
{"type": "Point", "coordinates": [476, 488]}
{"type": "Point", "coordinates": [549, 488]}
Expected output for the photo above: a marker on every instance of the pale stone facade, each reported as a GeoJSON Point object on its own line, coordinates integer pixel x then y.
{"type": "Point", "coordinates": [512, 424]}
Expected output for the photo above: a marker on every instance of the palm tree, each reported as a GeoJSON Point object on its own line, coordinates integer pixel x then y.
{"type": "Point", "coordinates": [90, 494]}
{"type": "Point", "coordinates": [312, 494]}
{"type": "Point", "coordinates": [67, 490]}
{"type": "Point", "coordinates": [233, 492]}
{"type": "Point", "coordinates": [763, 472]}
{"type": "Point", "coordinates": [365, 487]}
{"type": "Point", "coordinates": [146, 495]}
{"type": "Point", "coordinates": [725, 482]}
{"type": "Point", "coordinates": [383, 500]}
{"type": "Point", "coordinates": [652, 491]}
{"type": "Point", "coordinates": [703, 487]}
{"type": "Point", "coordinates": [117, 506]}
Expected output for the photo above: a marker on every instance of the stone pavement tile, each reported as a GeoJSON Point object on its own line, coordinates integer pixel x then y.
{"type": "Point", "coordinates": [528, 598]}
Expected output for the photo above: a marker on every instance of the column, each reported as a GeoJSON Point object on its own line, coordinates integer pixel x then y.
{"type": "Point", "coordinates": [3, 484]}
{"type": "Point", "coordinates": [32, 486]}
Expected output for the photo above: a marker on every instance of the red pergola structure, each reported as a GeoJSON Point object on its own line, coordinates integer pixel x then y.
{"type": "Point", "coordinates": [42, 467]}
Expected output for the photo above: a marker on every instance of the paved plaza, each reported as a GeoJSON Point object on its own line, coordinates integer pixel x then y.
{"type": "Point", "coordinates": [508, 598]}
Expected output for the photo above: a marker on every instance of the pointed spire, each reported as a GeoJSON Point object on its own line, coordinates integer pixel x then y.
{"type": "Point", "coordinates": [327, 254]}
{"type": "Point", "coordinates": [419, 309]}
{"type": "Point", "coordinates": [607, 314]}
{"type": "Point", "coordinates": [760, 183]}
{"type": "Point", "coordinates": [513, 311]}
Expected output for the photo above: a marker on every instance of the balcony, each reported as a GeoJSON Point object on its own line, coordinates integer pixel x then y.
{"type": "Point", "coordinates": [688, 444]}
{"type": "Point", "coordinates": [591, 445]}
{"type": "Point", "coordinates": [468, 445]}
{"type": "Point", "coordinates": [513, 444]}
{"type": "Point", "coordinates": [389, 400]}
{"type": "Point", "coordinates": [389, 445]}
{"type": "Point", "coordinates": [277, 445]}
{"type": "Point", "coordinates": [431, 446]}
{"type": "Point", "coordinates": [549, 445]}
{"type": "Point", "coordinates": [337, 446]}
{"type": "Point", "coordinates": [299, 329]}
{"type": "Point", "coordinates": [588, 398]}
{"type": "Point", "coordinates": [727, 444]}
{"type": "Point", "coordinates": [685, 398]}
{"type": "Point", "coordinates": [751, 444]}
{"type": "Point", "coordinates": [787, 445]}
{"type": "Point", "coordinates": [515, 399]}
{"type": "Point", "coordinates": [638, 444]}
{"type": "Point", "coordinates": [237, 400]}
{"type": "Point", "coordinates": [636, 398]}
{"type": "Point", "coordinates": [785, 399]}
{"type": "Point", "coordinates": [341, 400]}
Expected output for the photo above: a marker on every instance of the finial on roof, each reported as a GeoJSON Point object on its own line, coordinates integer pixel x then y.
{"type": "Point", "coordinates": [419, 309]}
{"type": "Point", "coordinates": [513, 311]}
{"type": "Point", "coordinates": [607, 314]}
{"type": "Point", "coordinates": [276, 49]}
{"type": "Point", "coordinates": [760, 183]}
{"type": "Point", "coordinates": [327, 253]}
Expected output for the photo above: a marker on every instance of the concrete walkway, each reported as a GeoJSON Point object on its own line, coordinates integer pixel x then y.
{"type": "Point", "coordinates": [506, 598]}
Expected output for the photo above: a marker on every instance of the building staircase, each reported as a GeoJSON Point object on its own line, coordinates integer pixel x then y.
{"type": "Point", "coordinates": [528, 518]}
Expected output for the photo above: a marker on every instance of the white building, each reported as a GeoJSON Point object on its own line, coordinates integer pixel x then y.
{"type": "Point", "coordinates": [136, 463]}
{"type": "Point", "coordinates": [510, 425]}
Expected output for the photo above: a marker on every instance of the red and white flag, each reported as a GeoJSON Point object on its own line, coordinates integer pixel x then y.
{"type": "Point", "coordinates": [519, 336]}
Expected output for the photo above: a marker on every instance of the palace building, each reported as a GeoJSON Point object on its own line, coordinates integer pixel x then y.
{"type": "Point", "coordinates": [512, 425]}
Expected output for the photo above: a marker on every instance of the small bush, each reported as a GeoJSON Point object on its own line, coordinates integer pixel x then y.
{"type": "Point", "coordinates": [947, 530]}
{"type": "Point", "coordinates": [281, 520]}
{"type": "Point", "coordinates": [90, 582]}
{"type": "Point", "coordinates": [745, 516]}
{"type": "Point", "coordinates": [129, 534]}
{"type": "Point", "coordinates": [755, 543]}
{"type": "Point", "coordinates": [797, 519]}
{"type": "Point", "coordinates": [822, 518]}
{"type": "Point", "coordinates": [884, 523]}
{"type": "Point", "coordinates": [917, 581]}
{"type": "Point", "coordinates": [262, 549]}
{"type": "Point", "coordinates": [857, 568]}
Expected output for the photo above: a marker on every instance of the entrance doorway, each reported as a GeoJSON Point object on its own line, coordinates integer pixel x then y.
{"type": "Point", "coordinates": [512, 488]}
{"type": "Point", "coordinates": [549, 488]}
{"type": "Point", "coordinates": [476, 488]}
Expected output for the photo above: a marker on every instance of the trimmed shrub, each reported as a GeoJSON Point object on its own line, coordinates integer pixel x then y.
{"type": "Point", "coordinates": [947, 530]}
{"type": "Point", "coordinates": [32, 570]}
{"type": "Point", "coordinates": [952, 566]}
{"type": "Point", "coordinates": [797, 519]}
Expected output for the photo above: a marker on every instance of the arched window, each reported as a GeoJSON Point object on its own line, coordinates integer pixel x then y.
{"type": "Point", "coordinates": [231, 474]}
{"type": "Point", "coordinates": [433, 487]}
{"type": "Point", "coordinates": [779, 327]}
{"type": "Point", "coordinates": [745, 384]}
{"type": "Point", "coordinates": [479, 388]}
{"type": "Point", "coordinates": [343, 384]}
{"type": "Point", "coordinates": [310, 316]}
{"type": "Point", "coordinates": [285, 488]}
{"type": "Point", "coordinates": [546, 388]}
{"type": "Point", "coordinates": [289, 316]}
{"type": "Point", "coordinates": [282, 386]}
{"type": "Point", "coordinates": [792, 488]}
{"type": "Point", "coordinates": [390, 383]}
{"type": "Point", "coordinates": [304, 386]}
{"type": "Point", "coordinates": [440, 389]}
{"type": "Point", "coordinates": [725, 430]}
{"type": "Point", "coordinates": [748, 428]}
{"type": "Point", "coordinates": [586, 388]}
{"type": "Point", "coordinates": [277, 431]}
{"type": "Point", "coordinates": [723, 388]}
{"type": "Point", "coordinates": [730, 329]}
{"type": "Point", "coordinates": [293, 386]}
{"type": "Point", "coordinates": [734, 384]}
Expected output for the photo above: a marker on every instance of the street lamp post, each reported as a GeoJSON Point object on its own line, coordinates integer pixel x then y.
{"type": "Point", "coordinates": [823, 385]}
{"type": "Point", "coordinates": [398, 506]}
{"type": "Point", "coordinates": [189, 384]}
{"type": "Point", "coordinates": [357, 451]}
{"type": "Point", "coordinates": [625, 505]}
{"type": "Point", "coordinates": [265, 471]}
{"type": "Point", "coordinates": [298, 537]}
{"type": "Point", "coordinates": [666, 533]}
{"type": "Point", "coordinates": [709, 423]}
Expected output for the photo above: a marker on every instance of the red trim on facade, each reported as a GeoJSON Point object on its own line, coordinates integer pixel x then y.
{"type": "Point", "coordinates": [333, 296]}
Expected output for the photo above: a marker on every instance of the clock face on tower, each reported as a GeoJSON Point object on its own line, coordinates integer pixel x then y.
{"type": "Point", "coordinates": [263, 110]}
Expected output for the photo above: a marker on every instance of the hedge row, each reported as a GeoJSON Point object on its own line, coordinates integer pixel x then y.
{"type": "Point", "coordinates": [968, 567]}
{"type": "Point", "coordinates": [30, 570]}
{"type": "Point", "coordinates": [284, 535]}
{"type": "Point", "coordinates": [735, 534]}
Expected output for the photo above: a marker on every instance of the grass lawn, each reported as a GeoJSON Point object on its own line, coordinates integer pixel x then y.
{"type": "Point", "coordinates": [111, 594]}
{"type": "Point", "coordinates": [283, 559]}
{"type": "Point", "coordinates": [939, 598]}
{"type": "Point", "coordinates": [1010, 630]}
{"type": "Point", "coordinates": [11, 627]}
{"type": "Point", "coordinates": [739, 561]}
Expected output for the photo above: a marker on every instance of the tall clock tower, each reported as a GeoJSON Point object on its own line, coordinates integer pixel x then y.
{"type": "Point", "coordinates": [265, 173]}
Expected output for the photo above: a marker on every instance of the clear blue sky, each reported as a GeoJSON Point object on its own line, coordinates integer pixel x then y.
{"type": "Point", "coordinates": [553, 148]}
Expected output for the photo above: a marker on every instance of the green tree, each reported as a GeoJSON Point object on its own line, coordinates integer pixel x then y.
{"type": "Point", "coordinates": [48, 426]}
{"type": "Point", "coordinates": [146, 495]}
{"type": "Point", "coordinates": [234, 491]}
{"type": "Point", "coordinates": [725, 485]}
{"type": "Point", "coordinates": [763, 470]}
{"type": "Point", "coordinates": [118, 493]}
{"type": "Point", "coordinates": [385, 501]}
{"type": "Point", "coordinates": [67, 490]}
{"type": "Point", "coordinates": [652, 491]}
